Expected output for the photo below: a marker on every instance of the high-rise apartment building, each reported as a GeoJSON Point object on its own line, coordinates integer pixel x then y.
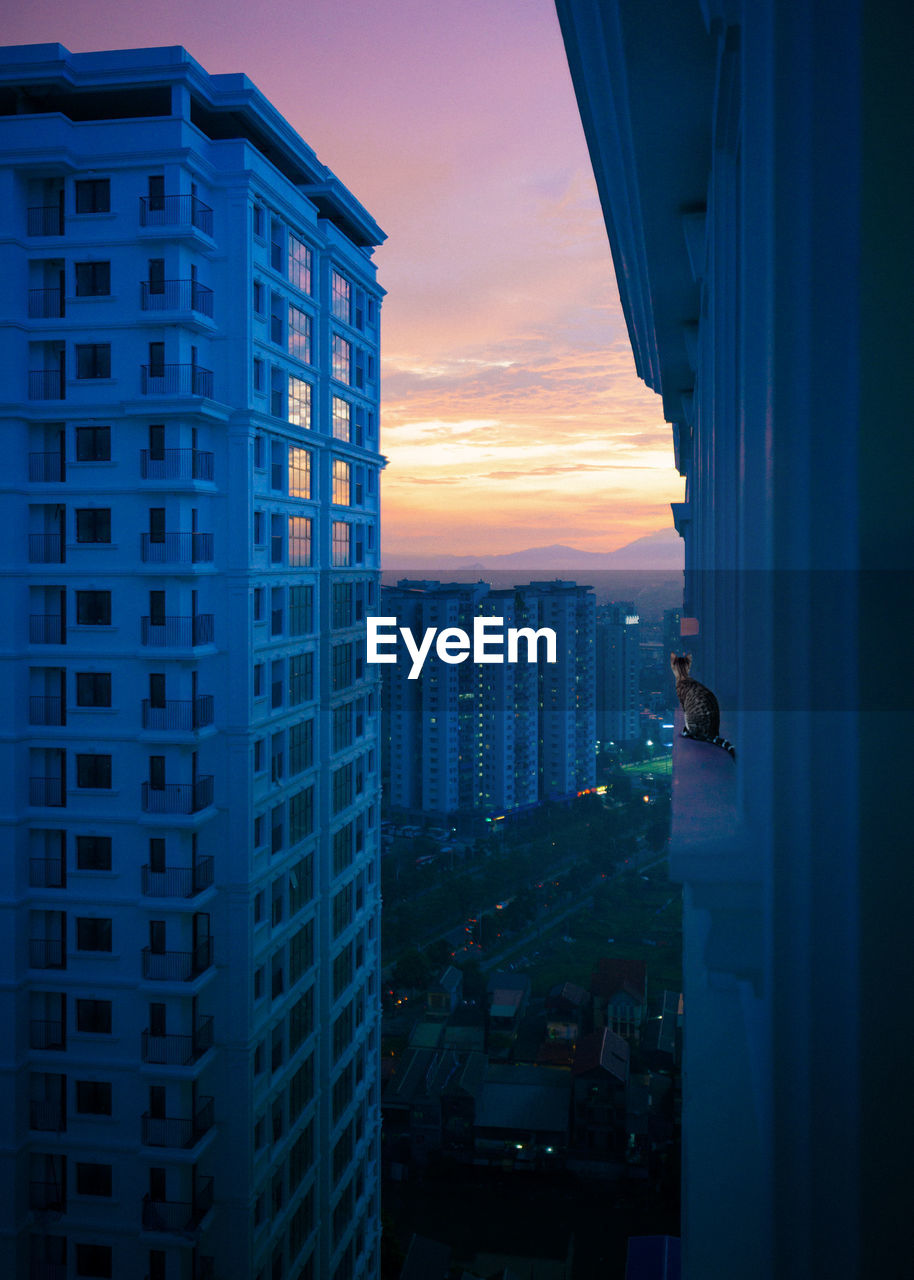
{"type": "Point", "coordinates": [490, 738]}
{"type": "Point", "coordinates": [189, 890]}
{"type": "Point", "coordinates": [618, 663]}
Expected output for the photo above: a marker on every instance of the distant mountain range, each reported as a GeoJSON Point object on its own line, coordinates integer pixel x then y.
{"type": "Point", "coordinates": [661, 550]}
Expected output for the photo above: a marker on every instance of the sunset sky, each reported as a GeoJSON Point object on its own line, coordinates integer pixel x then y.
{"type": "Point", "coordinates": [511, 413]}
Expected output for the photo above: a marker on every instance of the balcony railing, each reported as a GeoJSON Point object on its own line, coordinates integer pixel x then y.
{"type": "Point", "coordinates": [196, 713]}
{"type": "Point", "coordinates": [46, 548]}
{"type": "Point", "coordinates": [174, 380]}
{"type": "Point", "coordinates": [48, 1117]}
{"type": "Point", "coordinates": [46, 628]}
{"type": "Point", "coordinates": [47, 953]}
{"type": "Point", "coordinates": [178, 1131]}
{"type": "Point", "coordinates": [177, 1216]}
{"type": "Point", "coordinates": [179, 797]}
{"type": "Point", "coordinates": [177, 966]}
{"type": "Point", "coordinates": [175, 632]}
{"type": "Point", "coordinates": [176, 295]}
{"type": "Point", "coordinates": [47, 467]}
{"type": "Point", "coordinates": [178, 882]}
{"type": "Point", "coordinates": [48, 792]}
{"type": "Point", "coordinates": [47, 873]}
{"type": "Point", "coordinates": [45, 304]}
{"type": "Point", "coordinates": [45, 220]}
{"type": "Point", "coordinates": [47, 1033]}
{"type": "Point", "coordinates": [177, 1050]}
{"type": "Point", "coordinates": [45, 384]}
{"type": "Point", "coordinates": [46, 710]}
{"type": "Point", "coordinates": [176, 548]}
{"type": "Point", "coordinates": [47, 1196]}
{"type": "Point", "coordinates": [176, 211]}
{"type": "Point", "coordinates": [177, 464]}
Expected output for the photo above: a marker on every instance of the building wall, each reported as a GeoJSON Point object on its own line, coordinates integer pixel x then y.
{"type": "Point", "coordinates": [235, 770]}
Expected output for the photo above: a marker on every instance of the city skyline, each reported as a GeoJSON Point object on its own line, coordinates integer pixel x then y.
{"type": "Point", "coordinates": [510, 405]}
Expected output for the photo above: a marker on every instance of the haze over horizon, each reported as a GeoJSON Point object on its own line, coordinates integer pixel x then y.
{"type": "Point", "coordinates": [511, 412]}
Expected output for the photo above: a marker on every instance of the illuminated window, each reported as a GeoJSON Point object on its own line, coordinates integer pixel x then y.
{"type": "Point", "coordinates": [299, 402]}
{"type": "Point", "coordinates": [299, 264]}
{"type": "Point", "coordinates": [341, 484]}
{"type": "Point", "coordinates": [299, 540]}
{"type": "Point", "coordinates": [342, 358]}
{"type": "Point", "coordinates": [341, 543]}
{"type": "Point", "coordinates": [299, 472]}
{"type": "Point", "coordinates": [342, 419]}
{"type": "Point", "coordinates": [341, 297]}
{"type": "Point", "coordinates": [299, 333]}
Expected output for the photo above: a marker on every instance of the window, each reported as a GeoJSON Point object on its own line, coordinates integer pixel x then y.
{"type": "Point", "coordinates": [301, 815]}
{"type": "Point", "coordinates": [259, 680]}
{"type": "Point", "coordinates": [299, 472]}
{"type": "Point", "coordinates": [301, 746]}
{"type": "Point", "coordinates": [93, 195]}
{"type": "Point", "coordinates": [301, 611]}
{"type": "Point", "coordinates": [94, 1016]}
{"type": "Point", "coordinates": [342, 1091]}
{"type": "Point", "coordinates": [299, 540]}
{"type": "Point", "coordinates": [301, 884]}
{"type": "Point", "coordinates": [341, 482]}
{"type": "Point", "coordinates": [342, 849]}
{"type": "Point", "coordinates": [341, 297]}
{"type": "Point", "coordinates": [277, 315]}
{"type": "Point", "coordinates": [276, 682]}
{"type": "Point", "coordinates": [257, 220]}
{"type": "Point", "coordinates": [93, 279]}
{"type": "Point", "coordinates": [93, 524]}
{"type": "Point", "coordinates": [299, 264]}
{"type": "Point", "coordinates": [277, 392]}
{"type": "Point", "coordinates": [277, 244]}
{"type": "Point", "coordinates": [299, 402]}
{"type": "Point", "coordinates": [301, 1019]}
{"type": "Point", "coordinates": [342, 909]}
{"type": "Point", "coordinates": [341, 358]}
{"type": "Point", "coordinates": [278, 983]}
{"type": "Point", "coordinates": [94, 1260]}
{"type": "Point", "coordinates": [93, 771]}
{"type": "Point", "coordinates": [93, 853]}
{"type": "Point", "coordinates": [257, 296]}
{"type": "Point", "coordinates": [155, 269]}
{"type": "Point", "coordinates": [301, 678]}
{"type": "Point", "coordinates": [93, 688]}
{"type": "Point", "coordinates": [301, 952]}
{"type": "Point", "coordinates": [93, 1179]}
{"type": "Point", "coordinates": [276, 1048]}
{"type": "Point", "coordinates": [277, 465]}
{"type": "Point", "coordinates": [276, 538]}
{"type": "Point", "coordinates": [277, 818]}
{"type": "Point", "coordinates": [258, 375]}
{"type": "Point", "coordinates": [341, 605]}
{"type": "Point", "coordinates": [342, 787]}
{"type": "Point", "coordinates": [342, 1152]}
{"type": "Point", "coordinates": [341, 543]}
{"type": "Point", "coordinates": [301, 1089]}
{"type": "Point", "coordinates": [260, 529]}
{"type": "Point", "coordinates": [342, 971]}
{"type": "Point", "coordinates": [259, 452]}
{"type": "Point", "coordinates": [341, 666]}
{"type": "Point", "coordinates": [260, 828]}
{"type": "Point", "coordinates": [93, 608]}
{"type": "Point", "coordinates": [93, 1097]}
{"type": "Point", "coordinates": [277, 610]}
{"type": "Point", "coordinates": [259, 595]}
{"type": "Point", "coordinates": [93, 934]}
{"type": "Point", "coordinates": [93, 360]}
{"type": "Point", "coordinates": [155, 187]}
{"type": "Point", "coordinates": [342, 419]}
{"type": "Point", "coordinates": [299, 333]}
{"type": "Point", "coordinates": [342, 1031]}
{"type": "Point", "coordinates": [300, 1157]}
{"type": "Point", "coordinates": [93, 444]}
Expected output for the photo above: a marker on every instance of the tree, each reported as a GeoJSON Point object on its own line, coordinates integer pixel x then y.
{"type": "Point", "coordinates": [413, 970]}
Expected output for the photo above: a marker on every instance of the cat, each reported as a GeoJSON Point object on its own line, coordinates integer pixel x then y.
{"type": "Point", "coordinates": [699, 706]}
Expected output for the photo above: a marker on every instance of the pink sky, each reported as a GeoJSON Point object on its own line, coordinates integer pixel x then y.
{"type": "Point", "coordinates": [511, 412]}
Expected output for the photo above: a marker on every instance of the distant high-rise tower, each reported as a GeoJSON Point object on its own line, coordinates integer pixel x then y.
{"type": "Point", "coordinates": [618, 662]}
{"type": "Point", "coordinates": [189, 889]}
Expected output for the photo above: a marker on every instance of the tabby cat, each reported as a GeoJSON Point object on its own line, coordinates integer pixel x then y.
{"type": "Point", "coordinates": [699, 705]}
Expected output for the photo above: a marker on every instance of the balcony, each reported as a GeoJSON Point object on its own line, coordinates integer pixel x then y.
{"type": "Point", "coordinates": [179, 797]}
{"type": "Point", "coordinates": [177, 1050]}
{"type": "Point", "coordinates": [47, 1117]}
{"type": "Point", "coordinates": [47, 1197]}
{"type": "Point", "coordinates": [46, 548]}
{"type": "Point", "coordinates": [176, 548]}
{"type": "Point", "coordinates": [47, 468]}
{"type": "Point", "coordinates": [178, 882]}
{"type": "Point", "coordinates": [176, 211]}
{"type": "Point", "coordinates": [176, 295]}
{"type": "Point", "coordinates": [45, 304]}
{"type": "Point", "coordinates": [177, 966]}
{"type": "Point", "coordinates": [47, 953]}
{"type": "Point", "coordinates": [177, 1131]}
{"type": "Point", "coordinates": [175, 632]}
{"type": "Point", "coordinates": [45, 220]}
{"type": "Point", "coordinates": [47, 873]}
{"type": "Point", "coordinates": [174, 380]}
{"type": "Point", "coordinates": [175, 1216]}
{"type": "Point", "coordinates": [47, 792]}
{"type": "Point", "coordinates": [177, 464]}
{"type": "Point", "coordinates": [46, 710]}
{"type": "Point", "coordinates": [185, 717]}
{"type": "Point", "coordinates": [46, 628]}
{"type": "Point", "coordinates": [46, 384]}
{"type": "Point", "coordinates": [47, 1033]}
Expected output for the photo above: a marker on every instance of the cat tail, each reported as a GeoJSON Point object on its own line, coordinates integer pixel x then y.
{"type": "Point", "coordinates": [727, 746]}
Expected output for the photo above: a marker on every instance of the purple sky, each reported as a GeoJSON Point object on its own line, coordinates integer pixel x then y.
{"type": "Point", "coordinates": [511, 413]}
